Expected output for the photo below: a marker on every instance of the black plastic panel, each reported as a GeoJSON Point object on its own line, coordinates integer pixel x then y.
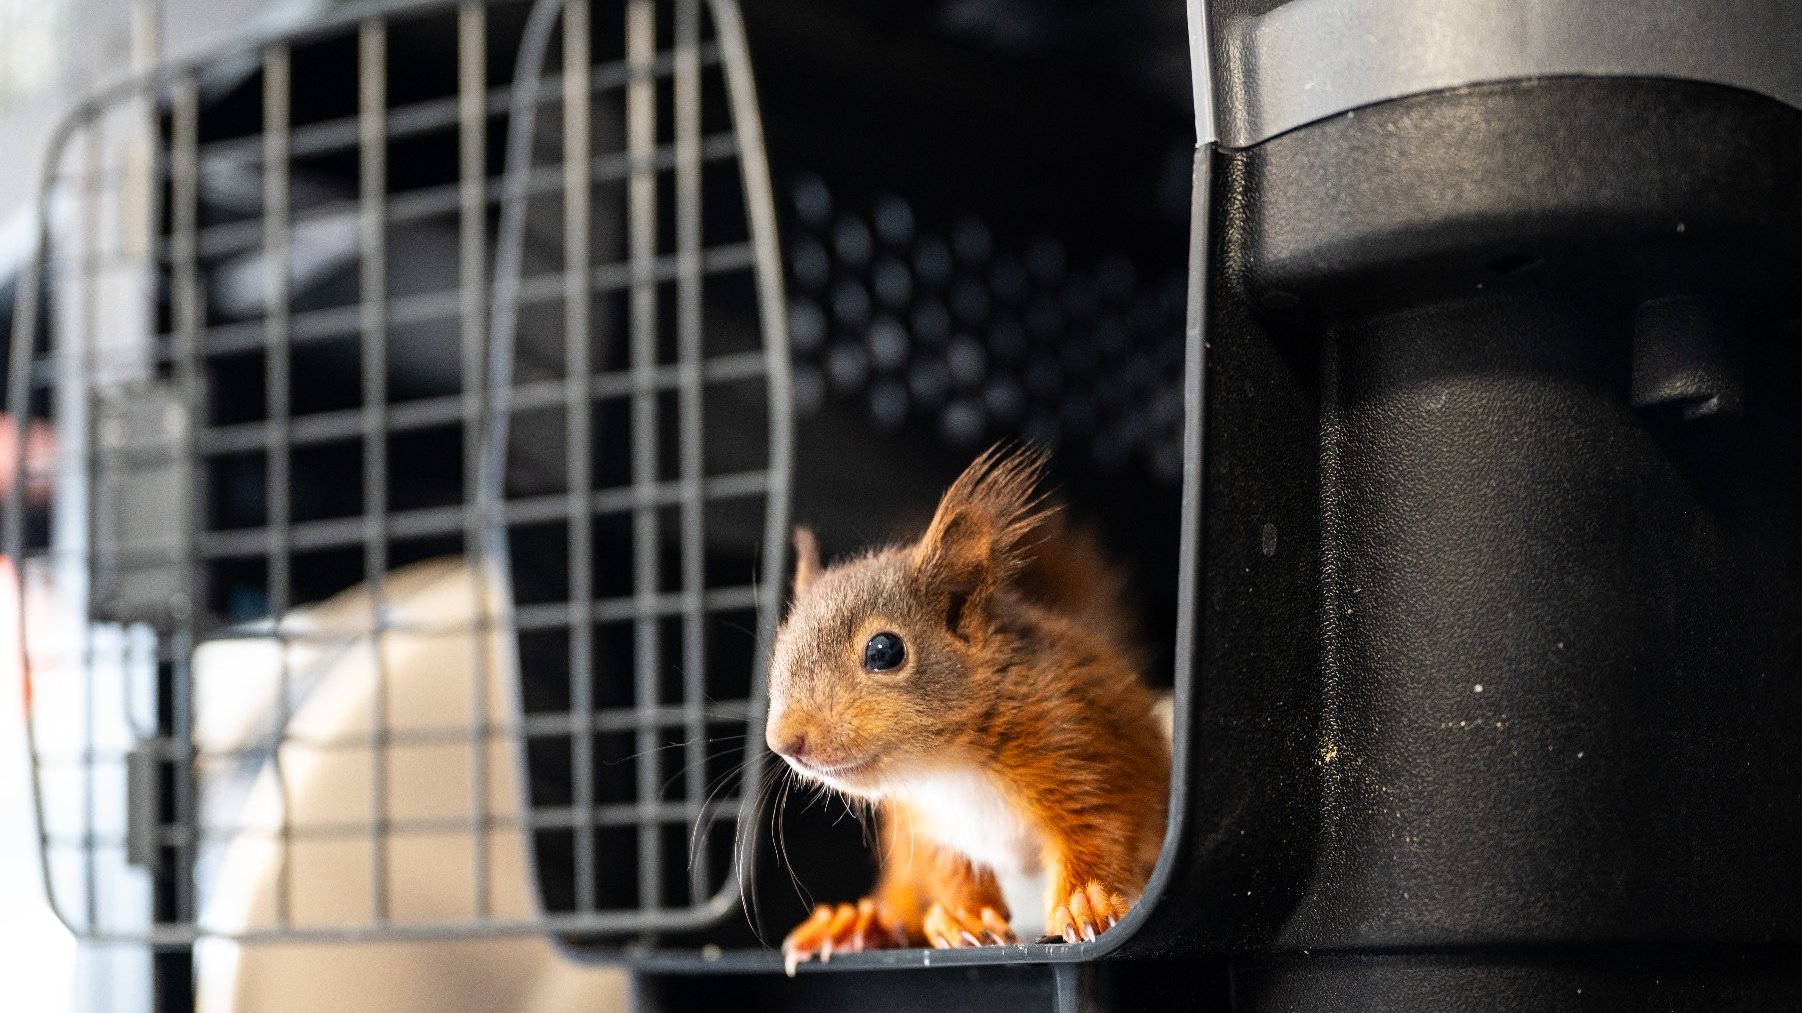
{"type": "Point", "coordinates": [1500, 671]}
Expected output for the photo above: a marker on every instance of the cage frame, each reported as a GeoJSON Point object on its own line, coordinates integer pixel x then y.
{"type": "Point", "coordinates": [172, 86]}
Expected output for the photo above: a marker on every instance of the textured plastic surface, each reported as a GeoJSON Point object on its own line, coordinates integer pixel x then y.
{"type": "Point", "coordinates": [1283, 64]}
{"type": "Point", "coordinates": [1498, 657]}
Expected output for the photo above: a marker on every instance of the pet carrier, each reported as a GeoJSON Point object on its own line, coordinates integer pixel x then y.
{"type": "Point", "coordinates": [1452, 455]}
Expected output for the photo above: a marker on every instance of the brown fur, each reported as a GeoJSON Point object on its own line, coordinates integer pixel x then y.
{"type": "Point", "coordinates": [1018, 665]}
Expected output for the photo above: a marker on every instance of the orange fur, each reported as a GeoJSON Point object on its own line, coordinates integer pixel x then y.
{"type": "Point", "coordinates": [1019, 677]}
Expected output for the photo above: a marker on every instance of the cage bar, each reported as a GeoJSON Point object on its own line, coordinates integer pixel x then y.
{"type": "Point", "coordinates": [372, 91]}
{"type": "Point", "coordinates": [472, 232]}
{"type": "Point", "coordinates": [577, 147]}
{"type": "Point", "coordinates": [641, 137]}
{"type": "Point", "coordinates": [687, 86]}
{"type": "Point", "coordinates": [277, 331]}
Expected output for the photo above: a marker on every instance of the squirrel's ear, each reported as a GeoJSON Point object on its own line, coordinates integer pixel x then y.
{"type": "Point", "coordinates": [955, 563]}
{"type": "Point", "coordinates": [807, 557]}
{"type": "Point", "coordinates": [980, 534]}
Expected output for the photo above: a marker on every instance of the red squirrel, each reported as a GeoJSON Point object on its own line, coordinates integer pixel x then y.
{"type": "Point", "coordinates": [979, 688]}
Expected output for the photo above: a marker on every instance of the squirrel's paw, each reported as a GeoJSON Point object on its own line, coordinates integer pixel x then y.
{"type": "Point", "coordinates": [845, 928]}
{"type": "Point", "coordinates": [1090, 910]}
{"type": "Point", "coordinates": [949, 928]}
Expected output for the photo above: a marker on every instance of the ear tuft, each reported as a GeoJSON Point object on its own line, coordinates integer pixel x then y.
{"type": "Point", "coordinates": [807, 557]}
{"type": "Point", "coordinates": [981, 534]}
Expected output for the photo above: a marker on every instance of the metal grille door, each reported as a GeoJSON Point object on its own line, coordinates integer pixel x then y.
{"type": "Point", "coordinates": [413, 539]}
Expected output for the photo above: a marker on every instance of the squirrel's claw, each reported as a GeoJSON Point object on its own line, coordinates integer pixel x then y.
{"type": "Point", "coordinates": [1090, 910]}
{"type": "Point", "coordinates": [952, 928]}
{"type": "Point", "coordinates": [844, 928]}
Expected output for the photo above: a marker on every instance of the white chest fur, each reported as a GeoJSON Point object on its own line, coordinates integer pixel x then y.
{"type": "Point", "coordinates": [963, 810]}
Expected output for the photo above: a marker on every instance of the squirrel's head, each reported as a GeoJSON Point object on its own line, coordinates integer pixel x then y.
{"type": "Point", "coordinates": [885, 661]}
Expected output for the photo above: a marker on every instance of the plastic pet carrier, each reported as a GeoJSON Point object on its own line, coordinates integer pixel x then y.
{"type": "Point", "coordinates": [434, 389]}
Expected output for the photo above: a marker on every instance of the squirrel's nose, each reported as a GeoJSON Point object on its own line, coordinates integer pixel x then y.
{"type": "Point", "coordinates": [793, 746]}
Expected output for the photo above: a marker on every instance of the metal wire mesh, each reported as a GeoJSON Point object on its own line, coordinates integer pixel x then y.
{"type": "Point", "coordinates": [287, 675]}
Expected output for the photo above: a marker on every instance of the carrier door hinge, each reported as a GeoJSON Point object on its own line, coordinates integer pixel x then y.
{"type": "Point", "coordinates": [143, 805]}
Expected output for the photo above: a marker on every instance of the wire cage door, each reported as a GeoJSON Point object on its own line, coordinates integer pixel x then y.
{"type": "Point", "coordinates": [411, 545]}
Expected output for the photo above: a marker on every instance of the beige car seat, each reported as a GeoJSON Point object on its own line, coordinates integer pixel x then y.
{"type": "Point", "coordinates": [430, 657]}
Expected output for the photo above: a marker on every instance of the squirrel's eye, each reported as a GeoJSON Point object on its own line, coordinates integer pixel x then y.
{"type": "Point", "coordinates": [883, 653]}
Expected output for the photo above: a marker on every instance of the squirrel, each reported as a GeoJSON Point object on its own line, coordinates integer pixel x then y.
{"type": "Point", "coordinates": [979, 688]}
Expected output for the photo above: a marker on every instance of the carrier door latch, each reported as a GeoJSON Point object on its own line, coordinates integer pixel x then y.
{"type": "Point", "coordinates": [142, 471]}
